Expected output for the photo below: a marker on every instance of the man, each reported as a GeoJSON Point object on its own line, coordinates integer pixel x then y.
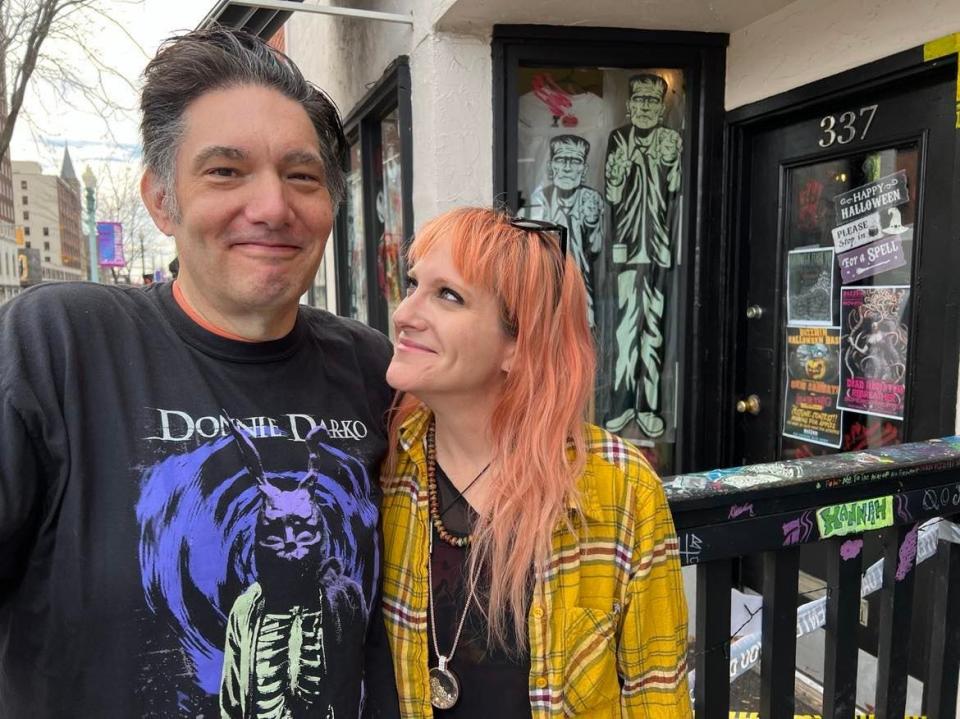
{"type": "Point", "coordinates": [188, 482]}
{"type": "Point", "coordinates": [643, 173]}
{"type": "Point", "coordinates": [567, 201]}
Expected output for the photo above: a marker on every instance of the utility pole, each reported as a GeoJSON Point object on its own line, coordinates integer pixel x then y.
{"type": "Point", "coordinates": [143, 259]}
{"type": "Point", "coordinates": [90, 185]}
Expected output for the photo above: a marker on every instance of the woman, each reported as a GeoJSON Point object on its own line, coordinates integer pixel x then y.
{"type": "Point", "coordinates": [530, 559]}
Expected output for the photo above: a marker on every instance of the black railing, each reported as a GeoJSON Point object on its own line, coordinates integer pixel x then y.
{"type": "Point", "coordinates": [768, 512]}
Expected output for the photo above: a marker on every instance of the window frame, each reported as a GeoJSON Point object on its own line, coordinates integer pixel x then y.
{"type": "Point", "coordinates": [391, 93]}
{"type": "Point", "coordinates": [702, 58]}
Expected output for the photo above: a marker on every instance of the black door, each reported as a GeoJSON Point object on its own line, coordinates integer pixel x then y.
{"type": "Point", "coordinates": [845, 329]}
{"type": "Point", "coordinates": [845, 234]}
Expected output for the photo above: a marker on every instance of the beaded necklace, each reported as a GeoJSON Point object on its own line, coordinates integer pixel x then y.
{"type": "Point", "coordinates": [434, 495]}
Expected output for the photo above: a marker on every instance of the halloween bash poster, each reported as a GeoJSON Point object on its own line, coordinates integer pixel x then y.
{"type": "Point", "coordinates": [813, 384]}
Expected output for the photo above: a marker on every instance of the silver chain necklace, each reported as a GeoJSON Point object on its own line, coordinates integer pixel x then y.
{"type": "Point", "coordinates": [444, 685]}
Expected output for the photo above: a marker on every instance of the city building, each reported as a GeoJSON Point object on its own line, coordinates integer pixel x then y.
{"type": "Point", "coordinates": [9, 274]}
{"type": "Point", "coordinates": [48, 209]}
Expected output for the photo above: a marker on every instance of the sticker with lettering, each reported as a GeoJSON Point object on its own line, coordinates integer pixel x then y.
{"type": "Point", "coordinates": [854, 517]}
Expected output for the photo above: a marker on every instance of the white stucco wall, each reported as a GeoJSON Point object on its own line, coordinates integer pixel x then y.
{"type": "Point", "coordinates": [346, 56]}
{"type": "Point", "coordinates": [812, 39]}
{"type": "Point", "coordinates": [452, 124]}
{"type": "Point", "coordinates": [451, 92]}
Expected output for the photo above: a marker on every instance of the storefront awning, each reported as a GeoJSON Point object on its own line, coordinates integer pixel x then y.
{"type": "Point", "coordinates": [264, 17]}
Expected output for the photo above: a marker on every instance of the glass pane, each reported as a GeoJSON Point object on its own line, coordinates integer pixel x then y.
{"type": "Point", "coordinates": [320, 286]}
{"type": "Point", "coordinates": [356, 269]}
{"type": "Point", "coordinates": [390, 213]}
{"type": "Point", "coordinates": [601, 152]}
{"type": "Point", "coordinates": [850, 236]}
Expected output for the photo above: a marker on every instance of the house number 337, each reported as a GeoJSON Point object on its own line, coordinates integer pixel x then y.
{"type": "Point", "coordinates": [846, 127]}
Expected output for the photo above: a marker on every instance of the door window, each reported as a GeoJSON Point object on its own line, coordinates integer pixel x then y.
{"type": "Point", "coordinates": [849, 230]}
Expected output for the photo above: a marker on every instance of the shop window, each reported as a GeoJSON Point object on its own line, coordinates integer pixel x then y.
{"type": "Point", "coordinates": [597, 133]}
{"type": "Point", "coordinates": [376, 217]}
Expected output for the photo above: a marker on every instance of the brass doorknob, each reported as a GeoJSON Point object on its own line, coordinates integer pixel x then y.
{"type": "Point", "coordinates": [751, 404]}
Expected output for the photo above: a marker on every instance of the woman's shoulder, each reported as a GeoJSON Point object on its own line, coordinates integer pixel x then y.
{"type": "Point", "coordinates": [615, 470]}
{"type": "Point", "coordinates": [604, 448]}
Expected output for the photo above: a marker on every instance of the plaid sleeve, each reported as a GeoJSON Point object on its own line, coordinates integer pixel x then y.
{"type": "Point", "coordinates": [652, 650]}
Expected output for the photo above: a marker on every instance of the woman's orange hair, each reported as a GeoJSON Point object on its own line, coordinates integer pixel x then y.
{"type": "Point", "coordinates": [537, 425]}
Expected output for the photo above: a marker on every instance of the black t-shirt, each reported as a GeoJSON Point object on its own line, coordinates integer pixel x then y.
{"type": "Point", "coordinates": [188, 523]}
{"type": "Point", "coordinates": [493, 682]}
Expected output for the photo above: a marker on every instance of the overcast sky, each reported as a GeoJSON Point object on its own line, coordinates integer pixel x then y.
{"type": "Point", "coordinates": [111, 149]}
{"type": "Point", "coordinates": [50, 124]}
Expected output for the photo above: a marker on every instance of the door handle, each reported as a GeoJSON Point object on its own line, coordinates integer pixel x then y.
{"type": "Point", "coordinates": [754, 312]}
{"type": "Point", "coordinates": [749, 405]}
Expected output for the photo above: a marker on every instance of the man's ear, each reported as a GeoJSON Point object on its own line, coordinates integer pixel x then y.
{"type": "Point", "coordinates": [153, 193]}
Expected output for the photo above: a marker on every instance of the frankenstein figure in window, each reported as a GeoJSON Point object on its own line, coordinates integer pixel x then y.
{"type": "Point", "coordinates": [566, 201]}
{"type": "Point", "coordinates": [643, 177]}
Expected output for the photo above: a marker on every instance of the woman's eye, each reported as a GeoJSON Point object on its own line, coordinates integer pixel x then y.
{"type": "Point", "coordinates": [411, 285]}
{"type": "Point", "coordinates": [448, 294]}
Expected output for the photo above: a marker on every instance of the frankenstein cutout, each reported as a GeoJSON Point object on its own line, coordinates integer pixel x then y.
{"type": "Point", "coordinates": [643, 177]}
{"type": "Point", "coordinates": [568, 202]}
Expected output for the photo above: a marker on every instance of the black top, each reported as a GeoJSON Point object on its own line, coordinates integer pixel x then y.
{"type": "Point", "coordinates": [158, 558]}
{"type": "Point", "coordinates": [493, 682]}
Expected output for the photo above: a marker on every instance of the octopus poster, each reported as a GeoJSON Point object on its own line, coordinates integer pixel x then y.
{"type": "Point", "coordinates": [873, 348]}
{"type": "Point", "coordinates": [813, 383]}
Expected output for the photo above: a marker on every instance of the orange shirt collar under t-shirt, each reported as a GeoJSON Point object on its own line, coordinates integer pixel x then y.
{"type": "Point", "coordinates": [196, 317]}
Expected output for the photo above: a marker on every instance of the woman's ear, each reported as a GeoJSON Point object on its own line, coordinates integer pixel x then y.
{"type": "Point", "coordinates": [509, 353]}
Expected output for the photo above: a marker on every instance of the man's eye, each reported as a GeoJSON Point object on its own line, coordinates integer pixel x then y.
{"type": "Point", "coordinates": [305, 177]}
{"type": "Point", "coordinates": [222, 172]}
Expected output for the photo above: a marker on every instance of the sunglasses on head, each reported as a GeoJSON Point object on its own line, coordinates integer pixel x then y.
{"type": "Point", "coordinates": [543, 228]}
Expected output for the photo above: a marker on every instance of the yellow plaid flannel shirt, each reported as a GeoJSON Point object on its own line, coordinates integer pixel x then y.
{"type": "Point", "coordinates": [607, 625]}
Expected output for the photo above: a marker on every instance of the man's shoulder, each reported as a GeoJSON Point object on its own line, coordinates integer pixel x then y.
{"type": "Point", "coordinates": [327, 327]}
{"type": "Point", "coordinates": [83, 301]}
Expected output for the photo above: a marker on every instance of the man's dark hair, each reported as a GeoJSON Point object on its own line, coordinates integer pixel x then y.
{"type": "Point", "coordinates": [216, 58]}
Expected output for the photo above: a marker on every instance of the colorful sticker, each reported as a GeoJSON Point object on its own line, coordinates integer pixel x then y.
{"type": "Point", "coordinates": [874, 343]}
{"type": "Point", "coordinates": [855, 517]}
{"type": "Point", "coordinates": [813, 384]}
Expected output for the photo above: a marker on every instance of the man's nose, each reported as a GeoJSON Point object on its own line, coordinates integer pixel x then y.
{"type": "Point", "coordinates": [268, 204]}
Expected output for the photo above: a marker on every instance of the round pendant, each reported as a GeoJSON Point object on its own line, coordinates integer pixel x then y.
{"type": "Point", "coordinates": [444, 688]}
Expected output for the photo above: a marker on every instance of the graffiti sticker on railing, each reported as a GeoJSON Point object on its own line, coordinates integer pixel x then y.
{"type": "Point", "coordinates": [854, 517]}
